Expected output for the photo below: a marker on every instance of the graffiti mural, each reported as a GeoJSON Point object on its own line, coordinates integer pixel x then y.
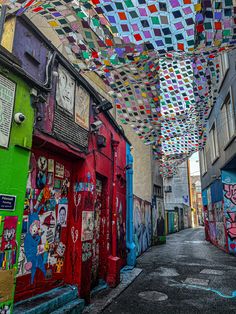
{"type": "Point", "coordinates": [220, 226]}
{"type": "Point", "coordinates": [96, 234]}
{"type": "Point", "coordinates": [229, 187]}
{"type": "Point", "coordinates": [142, 225]}
{"type": "Point", "coordinates": [8, 248]}
{"type": "Point", "coordinates": [158, 221]}
{"type": "Point", "coordinates": [42, 247]}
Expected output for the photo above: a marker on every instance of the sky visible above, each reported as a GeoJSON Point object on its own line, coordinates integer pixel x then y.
{"type": "Point", "coordinates": [194, 165]}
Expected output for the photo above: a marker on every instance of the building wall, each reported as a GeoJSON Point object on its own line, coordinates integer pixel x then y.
{"type": "Point", "coordinates": [14, 170]}
{"type": "Point", "coordinates": [214, 215]}
{"type": "Point", "coordinates": [84, 251]}
{"type": "Point", "coordinates": [142, 154]}
{"type": "Point", "coordinates": [228, 219]}
{"type": "Point", "coordinates": [180, 188]}
{"type": "Point", "coordinates": [225, 153]}
{"type": "Point", "coordinates": [142, 225]}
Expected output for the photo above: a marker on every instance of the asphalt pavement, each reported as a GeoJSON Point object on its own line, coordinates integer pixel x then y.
{"type": "Point", "coordinates": [185, 275]}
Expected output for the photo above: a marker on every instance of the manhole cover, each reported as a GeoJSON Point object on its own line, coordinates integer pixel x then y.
{"type": "Point", "coordinates": [153, 296]}
{"type": "Point", "coordinates": [212, 272]}
{"type": "Point", "coordinates": [167, 272]}
{"type": "Point", "coordinates": [194, 242]}
{"type": "Point", "coordinates": [196, 281]}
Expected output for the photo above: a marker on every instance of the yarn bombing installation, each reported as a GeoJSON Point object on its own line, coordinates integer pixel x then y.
{"type": "Point", "coordinates": [160, 59]}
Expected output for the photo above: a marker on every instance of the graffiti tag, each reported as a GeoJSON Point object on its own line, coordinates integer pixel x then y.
{"type": "Point", "coordinates": [230, 194]}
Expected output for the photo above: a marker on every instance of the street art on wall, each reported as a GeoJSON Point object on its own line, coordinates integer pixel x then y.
{"type": "Point", "coordinates": [8, 247]}
{"type": "Point", "coordinates": [220, 226]}
{"type": "Point", "coordinates": [43, 238]}
{"type": "Point", "coordinates": [82, 102]}
{"type": "Point", "coordinates": [121, 238]}
{"type": "Point", "coordinates": [158, 221]}
{"type": "Point", "coordinates": [6, 308]}
{"type": "Point", "coordinates": [229, 187]}
{"type": "Point", "coordinates": [142, 225]}
{"type": "Point", "coordinates": [87, 225]}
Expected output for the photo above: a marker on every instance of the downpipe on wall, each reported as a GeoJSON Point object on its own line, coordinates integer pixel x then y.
{"type": "Point", "coordinates": [130, 245]}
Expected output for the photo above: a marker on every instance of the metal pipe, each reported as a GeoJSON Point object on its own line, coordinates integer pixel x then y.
{"type": "Point", "coordinates": [2, 20]}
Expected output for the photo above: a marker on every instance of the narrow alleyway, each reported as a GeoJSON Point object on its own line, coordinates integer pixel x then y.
{"type": "Point", "coordinates": [194, 275]}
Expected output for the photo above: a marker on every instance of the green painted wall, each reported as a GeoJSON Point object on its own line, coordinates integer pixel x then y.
{"type": "Point", "coordinates": [14, 161]}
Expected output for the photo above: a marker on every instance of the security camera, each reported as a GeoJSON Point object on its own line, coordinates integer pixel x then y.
{"type": "Point", "coordinates": [19, 118]}
{"type": "Point", "coordinates": [55, 74]}
{"type": "Point", "coordinates": [96, 125]}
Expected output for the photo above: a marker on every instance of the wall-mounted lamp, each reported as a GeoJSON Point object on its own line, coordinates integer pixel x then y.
{"type": "Point", "coordinates": [104, 105]}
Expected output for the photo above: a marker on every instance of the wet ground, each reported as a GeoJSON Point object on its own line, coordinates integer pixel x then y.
{"type": "Point", "coordinates": [186, 275]}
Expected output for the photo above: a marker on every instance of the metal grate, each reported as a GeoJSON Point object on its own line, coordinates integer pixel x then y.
{"type": "Point", "coordinates": [68, 131]}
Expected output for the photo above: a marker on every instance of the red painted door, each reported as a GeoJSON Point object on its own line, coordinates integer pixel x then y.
{"type": "Point", "coordinates": [44, 238]}
{"type": "Point", "coordinates": [99, 238]}
{"type": "Point", "coordinates": [121, 218]}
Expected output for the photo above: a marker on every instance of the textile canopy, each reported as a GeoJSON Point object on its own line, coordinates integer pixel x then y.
{"type": "Point", "coordinates": [160, 58]}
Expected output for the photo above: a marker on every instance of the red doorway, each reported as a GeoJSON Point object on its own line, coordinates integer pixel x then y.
{"type": "Point", "coordinates": [44, 239]}
{"type": "Point", "coordinates": [99, 245]}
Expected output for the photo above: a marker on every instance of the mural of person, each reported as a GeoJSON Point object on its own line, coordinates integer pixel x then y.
{"type": "Point", "coordinates": [137, 227]}
{"type": "Point", "coordinates": [62, 213]}
{"type": "Point", "coordinates": [31, 245]}
{"type": "Point", "coordinates": [160, 221]}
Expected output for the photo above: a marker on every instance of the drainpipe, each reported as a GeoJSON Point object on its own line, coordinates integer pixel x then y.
{"type": "Point", "coordinates": [2, 20]}
{"type": "Point", "coordinates": [131, 256]}
{"type": "Point", "coordinates": [113, 275]}
{"type": "Point", "coordinates": [190, 189]}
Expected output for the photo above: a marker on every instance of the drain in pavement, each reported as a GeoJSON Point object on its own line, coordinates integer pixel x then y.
{"type": "Point", "coordinates": [153, 296]}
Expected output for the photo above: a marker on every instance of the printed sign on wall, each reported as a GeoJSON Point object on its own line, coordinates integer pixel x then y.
{"type": "Point", "coordinates": [7, 96]}
{"type": "Point", "coordinates": [82, 107]}
{"type": "Point", "coordinates": [7, 202]}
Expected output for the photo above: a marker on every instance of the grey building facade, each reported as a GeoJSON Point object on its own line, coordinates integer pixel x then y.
{"type": "Point", "coordinates": [218, 159]}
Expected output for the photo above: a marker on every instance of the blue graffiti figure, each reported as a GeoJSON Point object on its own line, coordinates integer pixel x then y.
{"type": "Point", "coordinates": [33, 252]}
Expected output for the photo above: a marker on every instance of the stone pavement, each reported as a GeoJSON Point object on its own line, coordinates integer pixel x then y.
{"type": "Point", "coordinates": [187, 275]}
{"type": "Point", "coordinates": [102, 299]}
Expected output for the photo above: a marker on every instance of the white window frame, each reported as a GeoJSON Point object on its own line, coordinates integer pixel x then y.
{"type": "Point", "coordinates": [203, 163]}
{"type": "Point", "coordinates": [228, 115]}
{"type": "Point", "coordinates": [214, 145]}
{"type": "Point", "coordinates": [224, 66]}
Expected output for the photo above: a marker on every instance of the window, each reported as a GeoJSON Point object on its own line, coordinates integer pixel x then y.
{"type": "Point", "coordinates": [228, 117]}
{"type": "Point", "coordinates": [203, 163]}
{"type": "Point", "coordinates": [214, 143]}
{"type": "Point", "coordinates": [157, 190]}
{"type": "Point", "coordinates": [224, 65]}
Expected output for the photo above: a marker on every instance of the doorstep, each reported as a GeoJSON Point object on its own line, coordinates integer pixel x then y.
{"type": "Point", "coordinates": [104, 298]}
{"type": "Point", "coordinates": [59, 300]}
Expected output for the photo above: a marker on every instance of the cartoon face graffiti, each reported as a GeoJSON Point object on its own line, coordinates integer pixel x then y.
{"type": "Point", "coordinates": [34, 228]}
{"type": "Point", "coordinates": [231, 224]}
{"type": "Point", "coordinates": [31, 243]}
{"type": "Point", "coordinates": [9, 235]}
